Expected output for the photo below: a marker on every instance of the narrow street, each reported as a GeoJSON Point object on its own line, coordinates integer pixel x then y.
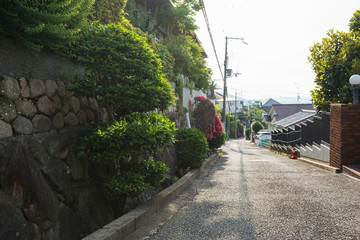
{"type": "Point", "coordinates": [254, 194]}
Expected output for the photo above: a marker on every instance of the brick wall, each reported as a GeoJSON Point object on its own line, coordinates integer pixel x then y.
{"type": "Point", "coordinates": [344, 135]}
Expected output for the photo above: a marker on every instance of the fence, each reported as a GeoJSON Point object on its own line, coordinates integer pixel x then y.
{"type": "Point", "coordinates": [265, 143]}
{"type": "Point", "coordinates": [307, 137]}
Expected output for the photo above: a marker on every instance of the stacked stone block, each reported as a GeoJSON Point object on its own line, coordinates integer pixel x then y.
{"type": "Point", "coordinates": [29, 106]}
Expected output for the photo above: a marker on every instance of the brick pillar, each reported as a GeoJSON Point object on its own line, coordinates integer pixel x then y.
{"type": "Point", "coordinates": [344, 134]}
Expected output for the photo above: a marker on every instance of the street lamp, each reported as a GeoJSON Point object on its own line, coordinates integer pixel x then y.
{"type": "Point", "coordinates": [355, 82]}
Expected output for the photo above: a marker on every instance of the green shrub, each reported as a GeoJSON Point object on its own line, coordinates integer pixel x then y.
{"type": "Point", "coordinates": [256, 126]}
{"type": "Point", "coordinates": [123, 144]}
{"type": "Point", "coordinates": [191, 147]}
{"type": "Point", "coordinates": [136, 177]}
{"type": "Point", "coordinates": [128, 138]}
{"type": "Point", "coordinates": [123, 70]}
{"type": "Point", "coordinates": [38, 24]}
{"type": "Point", "coordinates": [217, 142]}
{"type": "Point", "coordinates": [248, 132]}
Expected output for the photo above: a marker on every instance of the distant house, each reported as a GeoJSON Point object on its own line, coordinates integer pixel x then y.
{"type": "Point", "coordinates": [232, 105]}
{"type": "Point", "coordinates": [268, 104]}
{"type": "Point", "coordinates": [294, 119]}
{"type": "Point", "coordinates": [281, 111]}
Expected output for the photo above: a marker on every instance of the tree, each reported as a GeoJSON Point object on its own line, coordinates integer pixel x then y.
{"type": "Point", "coordinates": [180, 53]}
{"type": "Point", "coordinates": [106, 11]}
{"type": "Point", "coordinates": [129, 77]}
{"type": "Point", "coordinates": [334, 60]}
{"type": "Point", "coordinates": [39, 24]}
{"type": "Point", "coordinates": [189, 61]}
{"type": "Point", "coordinates": [256, 127]}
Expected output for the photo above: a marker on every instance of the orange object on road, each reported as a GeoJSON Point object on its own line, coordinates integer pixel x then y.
{"type": "Point", "coordinates": [295, 154]}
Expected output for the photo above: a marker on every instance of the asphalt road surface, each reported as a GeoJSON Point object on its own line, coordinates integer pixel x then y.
{"type": "Point", "coordinates": [254, 194]}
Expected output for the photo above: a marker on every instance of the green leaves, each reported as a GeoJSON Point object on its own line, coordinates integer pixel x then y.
{"type": "Point", "coordinates": [130, 137]}
{"type": "Point", "coordinates": [139, 177]}
{"type": "Point", "coordinates": [334, 60]}
{"type": "Point", "coordinates": [38, 24]}
{"type": "Point", "coordinates": [125, 143]}
{"type": "Point", "coordinates": [191, 147]}
{"type": "Point", "coordinates": [256, 126]}
{"type": "Point", "coordinates": [189, 61]}
{"type": "Point", "coordinates": [129, 76]}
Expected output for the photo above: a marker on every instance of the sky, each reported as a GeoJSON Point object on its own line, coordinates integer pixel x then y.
{"type": "Point", "coordinates": [279, 34]}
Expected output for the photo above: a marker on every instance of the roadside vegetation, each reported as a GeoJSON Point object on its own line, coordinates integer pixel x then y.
{"type": "Point", "coordinates": [129, 72]}
{"type": "Point", "coordinates": [334, 60]}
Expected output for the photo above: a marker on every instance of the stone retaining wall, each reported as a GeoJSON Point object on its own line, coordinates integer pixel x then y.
{"type": "Point", "coordinates": [46, 192]}
{"type": "Point", "coordinates": [30, 106]}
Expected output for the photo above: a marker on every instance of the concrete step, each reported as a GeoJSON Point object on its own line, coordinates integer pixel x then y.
{"type": "Point", "coordinates": [352, 170]}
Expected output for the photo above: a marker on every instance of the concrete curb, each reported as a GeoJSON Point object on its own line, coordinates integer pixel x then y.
{"type": "Point", "coordinates": [133, 220]}
{"type": "Point", "coordinates": [320, 165]}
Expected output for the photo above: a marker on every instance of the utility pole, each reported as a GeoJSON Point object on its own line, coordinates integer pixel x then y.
{"type": "Point", "coordinates": [254, 113]}
{"type": "Point", "coordinates": [224, 91]}
{"type": "Point", "coordinates": [235, 114]}
{"type": "Point", "coordinates": [225, 75]}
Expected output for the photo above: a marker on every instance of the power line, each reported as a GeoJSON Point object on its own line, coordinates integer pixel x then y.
{"type": "Point", "coordinates": [210, 34]}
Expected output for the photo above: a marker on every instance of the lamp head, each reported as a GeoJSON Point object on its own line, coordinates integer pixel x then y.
{"type": "Point", "coordinates": [355, 79]}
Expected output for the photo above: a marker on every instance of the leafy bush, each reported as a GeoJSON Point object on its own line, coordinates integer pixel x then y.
{"type": "Point", "coordinates": [124, 143]}
{"type": "Point", "coordinates": [129, 77]}
{"type": "Point", "coordinates": [217, 142]}
{"type": "Point", "coordinates": [106, 11]}
{"type": "Point", "coordinates": [256, 127]}
{"type": "Point", "coordinates": [191, 147]}
{"type": "Point", "coordinates": [189, 61]}
{"type": "Point", "coordinates": [247, 133]}
{"type": "Point", "coordinates": [128, 138]}
{"type": "Point", "coordinates": [239, 128]}
{"type": "Point", "coordinates": [205, 118]}
{"type": "Point", "coordinates": [38, 24]}
{"type": "Point", "coordinates": [136, 177]}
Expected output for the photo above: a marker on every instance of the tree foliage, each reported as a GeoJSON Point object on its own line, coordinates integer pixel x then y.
{"type": "Point", "coordinates": [180, 53]}
{"type": "Point", "coordinates": [334, 60]}
{"type": "Point", "coordinates": [128, 76]}
{"type": "Point", "coordinates": [180, 18]}
{"type": "Point", "coordinates": [189, 61]}
{"type": "Point", "coordinates": [38, 24]}
{"type": "Point", "coordinates": [191, 147]}
{"type": "Point", "coordinates": [105, 11]}
{"type": "Point", "coordinates": [256, 127]}
{"type": "Point", "coordinates": [124, 144]}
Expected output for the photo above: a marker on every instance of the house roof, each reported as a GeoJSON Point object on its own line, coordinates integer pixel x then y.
{"type": "Point", "coordinates": [267, 118]}
{"type": "Point", "coordinates": [270, 102]}
{"type": "Point", "coordinates": [284, 110]}
{"type": "Point", "coordinates": [218, 96]}
{"type": "Point", "coordinates": [295, 118]}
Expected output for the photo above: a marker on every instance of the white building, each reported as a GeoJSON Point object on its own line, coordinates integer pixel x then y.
{"type": "Point", "coordinates": [232, 105]}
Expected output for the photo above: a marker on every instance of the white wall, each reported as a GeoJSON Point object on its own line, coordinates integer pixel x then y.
{"type": "Point", "coordinates": [190, 95]}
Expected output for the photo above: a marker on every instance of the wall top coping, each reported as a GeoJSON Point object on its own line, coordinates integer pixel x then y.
{"type": "Point", "coordinates": [343, 105]}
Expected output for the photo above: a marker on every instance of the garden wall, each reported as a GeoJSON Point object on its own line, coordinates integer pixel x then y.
{"type": "Point", "coordinates": [189, 95]}
{"type": "Point", "coordinates": [45, 191]}
{"type": "Point", "coordinates": [16, 61]}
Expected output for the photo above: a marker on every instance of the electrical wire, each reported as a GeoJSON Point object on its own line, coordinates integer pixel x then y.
{"type": "Point", "coordinates": [210, 34]}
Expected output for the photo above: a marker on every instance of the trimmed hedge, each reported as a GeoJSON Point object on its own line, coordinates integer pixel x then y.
{"type": "Point", "coordinates": [191, 148]}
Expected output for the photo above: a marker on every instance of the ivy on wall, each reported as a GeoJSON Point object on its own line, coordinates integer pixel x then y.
{"type": "Point", "coordinates": [39, 24]}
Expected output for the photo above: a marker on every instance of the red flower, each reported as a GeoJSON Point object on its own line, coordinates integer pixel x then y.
{"type": "Point", "coordinates": [200, 99]}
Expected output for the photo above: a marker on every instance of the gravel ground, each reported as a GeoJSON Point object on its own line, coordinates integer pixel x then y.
{"type": "Point", "coordinates": [254, 194]}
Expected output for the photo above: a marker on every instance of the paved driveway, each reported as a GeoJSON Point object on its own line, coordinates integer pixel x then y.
{"type": "Point", "coordinates": [254, 194]}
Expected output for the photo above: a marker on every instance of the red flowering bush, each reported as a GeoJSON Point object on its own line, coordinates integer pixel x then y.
{"type": "Point", "coordinates": [200, 99]}
{"type": "Point", "coordinates": [206, 120]}
{"type": "Point", "coordinates": [203, 115]}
